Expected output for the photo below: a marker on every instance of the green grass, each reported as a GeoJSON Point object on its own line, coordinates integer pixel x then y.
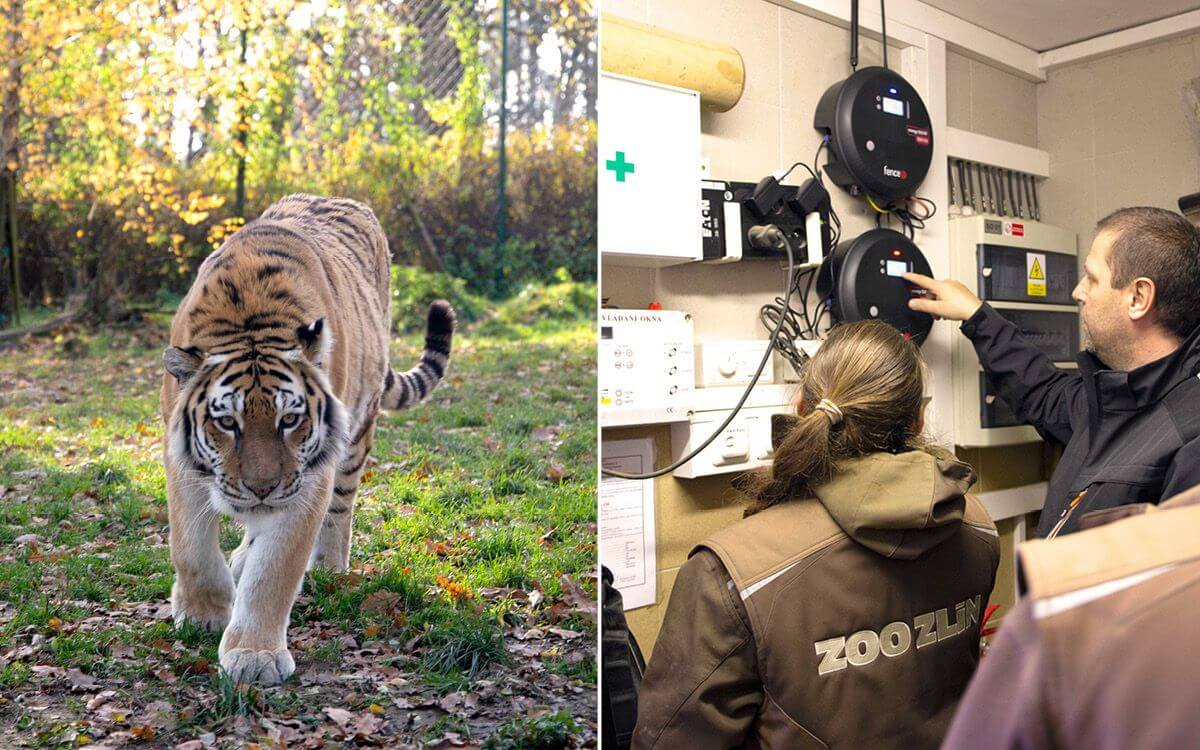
{"type": "Point", "coordinates": [549, 732]}
{"type": "Point", "coordinates": [462, 497]}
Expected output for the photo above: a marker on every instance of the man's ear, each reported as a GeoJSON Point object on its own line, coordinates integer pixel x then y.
{"type": "Point", "coordinates": [182, 362]}
{"type": "Point", "coordinates": [315, 341]}
{"type": "Point", "coordinates": [1143, 295]}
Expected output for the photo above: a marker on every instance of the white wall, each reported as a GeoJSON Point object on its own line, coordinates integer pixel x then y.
{"type": "Point", "coordinates": [1117, 135]}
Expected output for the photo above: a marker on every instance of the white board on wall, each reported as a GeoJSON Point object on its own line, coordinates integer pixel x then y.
{"type": "Point", "coordinates": [627, 542]}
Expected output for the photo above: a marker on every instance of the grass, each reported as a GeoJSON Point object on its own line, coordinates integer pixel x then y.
{"type": "Point", "coordinates": [548, 732]}
{"type": "Point", "coordinates": [473, 500]}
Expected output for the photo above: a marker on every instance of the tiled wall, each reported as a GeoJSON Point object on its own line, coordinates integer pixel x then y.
{"type": "Point", "coordinates": [790, 60]}
{"type": "Point", "coordinates": [1117, 135]}
{"type": "Point", "coordinates": [988, 101]}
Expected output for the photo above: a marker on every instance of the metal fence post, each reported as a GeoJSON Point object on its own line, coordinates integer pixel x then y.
{"type": "Point", "coordinates": [501, 201]}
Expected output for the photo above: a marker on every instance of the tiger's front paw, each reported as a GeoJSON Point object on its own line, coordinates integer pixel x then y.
{"type": "Point", "coordinates": [262, 667]}
{"type": "Point", "coordinates": [209, 606]}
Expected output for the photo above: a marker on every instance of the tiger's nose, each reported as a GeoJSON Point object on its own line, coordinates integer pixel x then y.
{"type": "Point", "coordinates": [261, 490]}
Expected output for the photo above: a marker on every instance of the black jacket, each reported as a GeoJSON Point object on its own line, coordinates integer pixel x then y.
{"type": "Point", "coordinates": [1130, 437]}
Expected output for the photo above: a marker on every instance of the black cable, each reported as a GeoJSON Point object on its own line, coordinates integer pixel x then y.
{"type": "Point", "coordinates": [769, 316]}
{"type": "Point", "coordinates": [854, 35]}
{"type": "Point", "coordinates": [819, 173]}
{"type": "Point", "coordinates": [883, 27]}
{"type": "Point", "coordinates": [745, 394]}
{"type": "Point", "coordinates": [804, 291]}
{"type": "Point", "coordinates": [799, 164]}
{"type": "Point", "coordinates": [819, 176]}
{"type": "Point", "coordinates": [797, 325]}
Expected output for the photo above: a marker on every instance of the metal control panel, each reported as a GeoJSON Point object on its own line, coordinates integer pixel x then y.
{"type": "Point", "coordinates": [647, 367]}
{"type": "Point", "coordinates": [1026, 270]}
{"type": "Point", "coordinates": [1011, 274]}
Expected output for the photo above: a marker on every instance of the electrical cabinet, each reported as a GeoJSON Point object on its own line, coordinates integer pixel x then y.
{"type": "Point", "coordinates": [648, 165]}
{"type": "Point", "coordinates": [1026, 270]}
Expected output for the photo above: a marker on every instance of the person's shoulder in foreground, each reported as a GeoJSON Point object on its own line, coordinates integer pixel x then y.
{"type": "Point", "coordinates": [1101, 651]}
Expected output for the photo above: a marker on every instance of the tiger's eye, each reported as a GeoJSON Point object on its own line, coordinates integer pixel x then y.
{"type": "Point", "coordinates": [288, 421]}
{"type": "Point", "coordinates": [227, 423]}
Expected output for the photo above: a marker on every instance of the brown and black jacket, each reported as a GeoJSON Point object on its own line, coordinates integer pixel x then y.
{"type": "Point", "coordinates": [1102, 651]}
{"type": "Point", "coordinates": [848, 620]}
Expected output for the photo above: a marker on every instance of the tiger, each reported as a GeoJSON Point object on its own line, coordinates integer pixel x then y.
{"type": "Point", "coordinates": [275, 375]}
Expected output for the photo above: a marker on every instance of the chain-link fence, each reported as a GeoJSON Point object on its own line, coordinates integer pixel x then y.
{"type": "Point", "coordinates": [147, 133]}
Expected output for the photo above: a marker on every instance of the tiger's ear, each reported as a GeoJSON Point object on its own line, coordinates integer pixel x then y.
{"type": "Point", "coordinates": [315, 341]}
{"type": "Point", "coordinates": [182, 362]}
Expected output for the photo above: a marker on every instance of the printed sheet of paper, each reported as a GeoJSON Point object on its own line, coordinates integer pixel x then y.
{"type": "Point", "coordinates": [627, 521]}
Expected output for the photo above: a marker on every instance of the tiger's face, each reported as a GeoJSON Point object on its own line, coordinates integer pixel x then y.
{"type": "Point", "coordinates": [257, 425]}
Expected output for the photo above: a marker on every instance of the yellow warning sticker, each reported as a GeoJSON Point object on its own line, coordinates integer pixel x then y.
{"type": "Point", "coordinates": [1035, 274]}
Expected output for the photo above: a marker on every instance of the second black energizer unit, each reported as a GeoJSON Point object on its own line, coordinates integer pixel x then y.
{"type": "Point", "coordinates": [861, 280]}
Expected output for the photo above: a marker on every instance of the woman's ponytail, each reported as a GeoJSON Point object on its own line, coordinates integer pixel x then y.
{"type": "Point", "coordinates": [803, 457]}
{"type": "Point", "coordinates": [861, 393]}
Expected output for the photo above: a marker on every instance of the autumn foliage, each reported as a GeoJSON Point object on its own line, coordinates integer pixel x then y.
{"type": "Point", "coordinates": [139, 120]}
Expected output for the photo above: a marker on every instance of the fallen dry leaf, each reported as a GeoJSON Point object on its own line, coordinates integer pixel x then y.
{"type": "Point", "coordinates": [381, 602]}
{"type": "Point", "coordinates": [81, 682]}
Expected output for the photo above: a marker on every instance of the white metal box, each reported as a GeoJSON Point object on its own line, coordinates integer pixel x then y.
{"type": "Point", "coordinates": [646, 367]}
{"type": "Point", "coordinates": [721, 363]}
{"type": "Point", "coordinates": [648, 170]}
{"type": "Point", "coordinates": [1046, 269]}
{"type": "Point", "coordinates": [745, 444]}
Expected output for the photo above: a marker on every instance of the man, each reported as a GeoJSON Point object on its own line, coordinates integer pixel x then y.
{"type": "Point", "coordinates": [1102, 651]}
{"type": "Point", "coordinates": [1130, 417]}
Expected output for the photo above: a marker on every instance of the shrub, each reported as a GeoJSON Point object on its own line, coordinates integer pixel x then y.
{"type": "Point", "coordinates": [538, 308]}
{"type": "Point", "coordinates": [413, 289]}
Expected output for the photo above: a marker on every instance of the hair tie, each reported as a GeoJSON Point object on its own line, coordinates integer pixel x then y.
{"type": "Point", "coordinates": [833, 410]}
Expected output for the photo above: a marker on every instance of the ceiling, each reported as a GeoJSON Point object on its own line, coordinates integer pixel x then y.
{"type": "Point", "coordinates": [1045, 24]}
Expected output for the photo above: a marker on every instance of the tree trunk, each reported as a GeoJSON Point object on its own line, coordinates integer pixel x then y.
{"type": "Point", "coordinates": [433, 260]}
{"type": "Point", "coordinates": [10, 150]}
{"type": "Point", "coordinates": [243, 126]}
{"type": "Point", "coordinates": [105, 301]}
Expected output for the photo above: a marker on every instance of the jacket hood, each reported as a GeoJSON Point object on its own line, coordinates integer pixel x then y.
{"type": "Point", "coordinates": [898, 505]}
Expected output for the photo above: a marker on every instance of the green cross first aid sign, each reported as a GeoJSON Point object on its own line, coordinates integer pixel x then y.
{"type": "Point", "coordinates": [619, 166]}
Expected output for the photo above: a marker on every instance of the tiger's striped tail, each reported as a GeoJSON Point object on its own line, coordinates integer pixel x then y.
{"type": "Point", "coordinates": [407, 388]}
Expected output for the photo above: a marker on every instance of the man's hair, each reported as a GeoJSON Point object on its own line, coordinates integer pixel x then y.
{"type": "Point", "coordinates": [1164, 247]}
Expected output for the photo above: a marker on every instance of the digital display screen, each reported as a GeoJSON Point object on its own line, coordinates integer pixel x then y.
{"type": "Point", "coordinates": [898, 267]}
{"type": "Point", "coordinates": [893, 106]}
{"type": "Point", "coordinates": [606, 332]}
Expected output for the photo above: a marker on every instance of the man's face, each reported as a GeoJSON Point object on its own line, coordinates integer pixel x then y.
{"type": "Point", "coordinates": [1107, 328]}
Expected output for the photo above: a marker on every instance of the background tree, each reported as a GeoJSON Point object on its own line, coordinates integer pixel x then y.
{"type": "Point", "coordinates": [149, 131]}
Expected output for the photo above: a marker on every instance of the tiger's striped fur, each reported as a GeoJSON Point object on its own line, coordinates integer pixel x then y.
{"type": "Point", "coordinates": [277, 371]}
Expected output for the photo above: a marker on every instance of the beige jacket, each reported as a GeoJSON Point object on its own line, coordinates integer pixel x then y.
{"type": "Point", "coordinates": [849, 620]}
{"type": "Point", "coordinates": [1102, 651]}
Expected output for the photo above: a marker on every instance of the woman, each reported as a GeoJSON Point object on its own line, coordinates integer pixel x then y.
{"type": "Point", "coordinates": [844, 611]}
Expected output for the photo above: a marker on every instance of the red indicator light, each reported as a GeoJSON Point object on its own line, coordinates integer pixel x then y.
{"type": "Point", "coordinates": [895, 253]}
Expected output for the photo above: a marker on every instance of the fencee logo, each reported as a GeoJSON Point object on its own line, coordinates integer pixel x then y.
{"type": "Point", "coordinates": [865, 646]}
{"type": "Point", "coordinates": [889, 172]}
